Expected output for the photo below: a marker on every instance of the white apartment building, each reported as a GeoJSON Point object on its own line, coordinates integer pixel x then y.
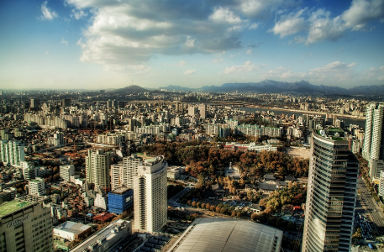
{"type": "Point", "coordinates": [29, 170]}
{"type": "Point", "coordinates": [373, 148]}
{"type": "Point", "coordinates": [36, 187]}
{"type": "Point", "coordinates": [150, 195]}
{"type": "Point", "coordinates": [11, 152]}
{"type": "Point", "coordinates": [381, 184]}
{"type": "Point", "coordinates": [66, 171]}
{"type": "Point", "coordinates": [97, 167]}
{"type": "Point", "coordinates": [122, 173]}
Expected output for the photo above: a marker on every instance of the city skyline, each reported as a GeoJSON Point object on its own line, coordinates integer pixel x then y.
{"type": "Point", "coordinates": [95, 44]}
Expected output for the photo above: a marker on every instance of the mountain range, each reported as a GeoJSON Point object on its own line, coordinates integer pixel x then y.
{"type": "Point", "coordinates": [271, 86]}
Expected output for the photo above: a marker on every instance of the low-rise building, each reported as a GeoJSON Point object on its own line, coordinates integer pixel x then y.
{"type": "Point", "coordinates": [107, 239]}
{"type": "Point", "coordinates": [71, 230]}
{"type": "Point", "coordinates": [120, 200]}
{"type": "Point", "coordinates": [66, 171]}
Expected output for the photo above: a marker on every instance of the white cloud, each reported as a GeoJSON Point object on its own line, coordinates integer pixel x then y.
{"type": "Point", "coordinates": [133, 32]}
{"type": "Point", "coordinates": [181, 63]}
{"type": "Point", "coordinates": [224, 15]}
{"type": "Point", "coordinates": [47, 13]}
{"type": "Point", "coordinates": [190, 42]}
{"type": "Point", "coordinates": [324, 28]}
{"type": "Point", "coordinates": [363, 11]}
{"type": "Point", "coordinates": [248, 66]}
{"type": "Point", "coordinates": [334, 72]}
{"type": "Point", "coordinates": [290, 24]}
{"type": "Point", "coordinates": [320, 25]}
{"type": "Point", "coordinates": [46, 52]}
{"type": "Point", "coordinates": [249, 51]}
{"type": "Point", "coordinates": [63, 41]}
{"type": "Point", "coordinates": [78, 14]}
{"type": "Point", "coordinates": [261, 8]}
{"type": "Point", "coordinates": [253, 26]}
{"type": "Point", "coordinates": [190, 71]}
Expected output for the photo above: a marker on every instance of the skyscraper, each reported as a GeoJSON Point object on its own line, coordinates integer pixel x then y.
{"type": "Point", "coordinates": [150, 195]}
{"type": "Point", "coordinates": [97, 167]}
{"type": "Point", "coordinates": [331, 195]}
{"type": "Point", "coordinates": [373, 148]}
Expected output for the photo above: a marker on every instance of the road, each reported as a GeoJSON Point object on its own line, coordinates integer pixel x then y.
{"type": "Point", "coordinates": [367, 205]}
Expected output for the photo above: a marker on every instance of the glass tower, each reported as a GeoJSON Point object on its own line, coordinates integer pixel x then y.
{"type": "Point", "coordinates": [331, 195]}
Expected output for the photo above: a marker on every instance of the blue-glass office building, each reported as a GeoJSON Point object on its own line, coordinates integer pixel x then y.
{"type": "Point", "coordinates": [120, 200]}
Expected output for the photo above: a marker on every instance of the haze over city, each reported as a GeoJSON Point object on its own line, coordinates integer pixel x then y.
{"type": "Point", "coordinates": [98, 44]}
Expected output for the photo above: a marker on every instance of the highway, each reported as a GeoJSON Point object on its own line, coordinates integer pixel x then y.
{"type": "Point", "coordinates": [367, 206]}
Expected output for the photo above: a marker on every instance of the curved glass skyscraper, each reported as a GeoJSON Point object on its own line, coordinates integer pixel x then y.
{"type": "Point", "coordinates": [331, 195]}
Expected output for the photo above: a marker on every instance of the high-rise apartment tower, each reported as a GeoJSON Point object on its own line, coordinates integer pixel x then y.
{"type": "Point", "coordinates": [373, 148]}
{"type": "Point", "coordinates": [150, 195]}
{"type": "Point", "coordinates": [97, 167]}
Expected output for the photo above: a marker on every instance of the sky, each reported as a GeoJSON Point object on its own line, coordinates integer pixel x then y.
{"type": "Point", "coordinates": [101, 44]}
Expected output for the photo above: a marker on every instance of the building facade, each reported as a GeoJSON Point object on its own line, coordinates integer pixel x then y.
{"type": "Point", "coordinates": [122, 173]}
{"type": "Point", "coordinates": [12, 152]}
{"type": "Point", "coordinates": [97, 167]}
{"type": "Point", "coordinates": [26, 225]}
{"type": "Point", "coordinates": [150, 195]}
{"type": "Point", "coordinates": [36, 187]}
{"type": "Point", "coordinates": [120, 200]}
{"type": "Point", "coordinates": [373, 148]}
{"type": "Point", "coordinates": [331, 194]}
{"type": "Point", "coordinates": [66, 171]}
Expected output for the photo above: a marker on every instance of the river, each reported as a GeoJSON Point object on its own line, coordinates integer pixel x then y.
{"type": "Point", "coordinates": [347, 120]}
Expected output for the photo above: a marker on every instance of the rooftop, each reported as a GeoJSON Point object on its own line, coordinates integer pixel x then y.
{"type": "Point", "coordinates": [219, 234]}
{"type": "Point", "coordinates": [121, 190]}
{"type": "Point", "coordinates": [12, 206]}
{"type": "Point", "coordinates": [333, 133]}
{"type": "Point", "coordinates": [72, 227]}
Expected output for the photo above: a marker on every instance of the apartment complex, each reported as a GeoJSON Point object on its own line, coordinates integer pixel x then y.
{"type": "Point", "coordinates": [150, 195]}
{"type": "Point", "coordinates": [26, 225]}
{"type": "Point", "coordinates": [373, 148]}
{"type": "Point", "coordinates": [331, 194]}
{"type": "Point", "coordinates": [97, 168]}
{"type": "Point", "coordinates": [11, 152]}
{"type": "Point", "coordinates": [122, 173]}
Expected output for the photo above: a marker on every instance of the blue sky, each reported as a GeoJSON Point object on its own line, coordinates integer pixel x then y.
{"type": "Point", "coordinates": [95, 44]}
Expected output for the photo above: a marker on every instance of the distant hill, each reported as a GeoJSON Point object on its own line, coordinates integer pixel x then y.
{"type": "Point", "coordinates": [271, 86]}
{"type": "Point", "coordinates": [133, 89]}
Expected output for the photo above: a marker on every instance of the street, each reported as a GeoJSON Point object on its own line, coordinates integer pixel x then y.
{"type": "Point", "coordinates": [366, 205]}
